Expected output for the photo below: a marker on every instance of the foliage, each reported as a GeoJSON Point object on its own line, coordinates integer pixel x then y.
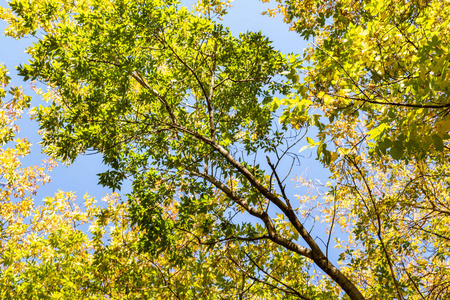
{"type": "Point", "coordinates": [63, 248]}
{"type": "Point", "coordinates": [44, 252]}
{"type": "Point", "coordinates": [385, 61]}
{"type": "Point", "coordinates": [175, 103]}
{"type": "Point", "coordinates": [376, 87]}
{"type": "Point", "coordinates": [172, 100]}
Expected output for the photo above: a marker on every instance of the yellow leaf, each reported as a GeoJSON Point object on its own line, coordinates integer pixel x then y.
{"type": "Point", "coordinates": [327, 99]}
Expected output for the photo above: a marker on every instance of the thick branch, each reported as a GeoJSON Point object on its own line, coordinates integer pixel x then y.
{"type": "Point", "coordinates": [315, 253]}
{"type": "Point", "coordinates": [262, 215]}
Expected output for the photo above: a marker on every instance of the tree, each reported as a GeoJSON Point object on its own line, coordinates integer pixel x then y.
{"type": "Point", "coordinates": [168, 98]}
{"type": "Point", "coordinates": [44, 253]}
{"type": "Point", "coordinates": [65, 249]}
{"type": "Point", "coordinates": [378, 73]}
{"type": "Point", "coordinates": [175, 103]}
{"type": "Point", "coordinates": [386, 60]}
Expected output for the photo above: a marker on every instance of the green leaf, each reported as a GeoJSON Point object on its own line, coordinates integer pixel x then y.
{"type": "Point", "coordinates": [437, 142]}
{"type": "Point", "coordinates": [397, 150]}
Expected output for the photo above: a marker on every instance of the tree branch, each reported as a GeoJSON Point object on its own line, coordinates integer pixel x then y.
{"type": "Point", "coordinates": [391, 103]}
{"type": "Point", "coordinates": [378, 218]}
{"type": "Point", "coordinates": [293, 291]}
{"type": "Point", "coordinates": [273, 235]}
{"type": "Point", "coordinates": [315, 253]}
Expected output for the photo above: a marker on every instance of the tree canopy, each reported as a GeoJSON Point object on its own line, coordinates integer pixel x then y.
{"type": "Point", "coordinates": [208, 127]}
